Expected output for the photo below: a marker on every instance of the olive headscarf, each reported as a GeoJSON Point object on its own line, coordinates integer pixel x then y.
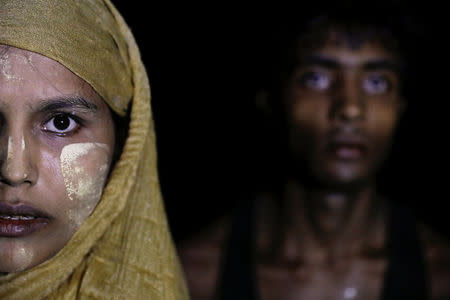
{"type": "Point", "coordinates": [124, 249]}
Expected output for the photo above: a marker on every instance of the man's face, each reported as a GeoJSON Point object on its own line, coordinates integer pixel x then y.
{"type": "Point", "coordinates": [56, 145]}
{"type": "Point", "coordinates": [343, 105]}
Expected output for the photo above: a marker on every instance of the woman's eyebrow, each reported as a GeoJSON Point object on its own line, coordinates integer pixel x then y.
{"type": "Point", "coordinates": [66, 102]}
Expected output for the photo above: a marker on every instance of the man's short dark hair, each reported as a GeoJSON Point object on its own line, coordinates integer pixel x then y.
{"type": "Point", "coordinates": [399, 34]}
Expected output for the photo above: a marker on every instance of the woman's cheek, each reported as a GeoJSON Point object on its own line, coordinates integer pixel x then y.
{"type": "Point", "coordinates": [84, 167]}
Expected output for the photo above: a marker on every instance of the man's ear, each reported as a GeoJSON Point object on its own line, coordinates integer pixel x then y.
{"type": "Point", "coordinates": [402, 105]}
{"type": "Point", "coordinates": [262, 103]}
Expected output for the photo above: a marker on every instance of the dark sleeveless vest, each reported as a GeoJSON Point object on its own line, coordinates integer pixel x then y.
{"type": "Point", "coordinates": [405, 277]}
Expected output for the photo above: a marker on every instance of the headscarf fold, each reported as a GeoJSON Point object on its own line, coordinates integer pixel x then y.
{"type": "Point", "coordinates": [124, 249]}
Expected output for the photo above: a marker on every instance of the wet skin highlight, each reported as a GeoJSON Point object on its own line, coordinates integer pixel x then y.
{"type": "Point", "coordinates": [56, 143]}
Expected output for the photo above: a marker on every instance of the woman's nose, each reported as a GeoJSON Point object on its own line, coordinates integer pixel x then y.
{"type": "Point", "coordinates": [17, 165]}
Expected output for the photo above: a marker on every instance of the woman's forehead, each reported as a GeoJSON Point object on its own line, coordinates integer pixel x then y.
{"type": "Point", "coordinates": [28, 75]}
{"type": "Point", "coordinates": [24, 64]}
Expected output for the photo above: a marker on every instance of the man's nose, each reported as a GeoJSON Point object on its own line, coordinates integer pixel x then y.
{"type": "Point", "coordinates": [348, 103]}
{"type": "Point", "coordinates": [17, 166]}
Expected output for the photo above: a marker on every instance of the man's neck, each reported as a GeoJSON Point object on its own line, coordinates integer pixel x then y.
{"type": "Point", "coordinates": [330, 219]}
{"type": "Point", "coordinates": [330, 213]}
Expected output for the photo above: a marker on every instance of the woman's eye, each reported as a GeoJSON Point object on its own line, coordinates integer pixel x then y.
{"type": "Point", "coordinates": [316, 81]}
{"type": "Point", "coordinates": [376, 84]}
{"type": "Point", "coordinates": [61, 123]}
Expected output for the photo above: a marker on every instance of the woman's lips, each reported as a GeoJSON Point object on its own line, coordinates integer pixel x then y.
{"type": "Point", "coordinates": [20, 220]}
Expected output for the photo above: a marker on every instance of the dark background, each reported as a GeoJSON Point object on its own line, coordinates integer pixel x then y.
{"type": "Point", "coordinates": [205, 64]}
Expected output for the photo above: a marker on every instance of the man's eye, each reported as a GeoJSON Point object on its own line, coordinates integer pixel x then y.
{"type": "Point", "coordinates": [61, 123]}
{"type": "Point", "coordinates": [376, 84]}
{"type": "Point", "coordinates": [316, 81]}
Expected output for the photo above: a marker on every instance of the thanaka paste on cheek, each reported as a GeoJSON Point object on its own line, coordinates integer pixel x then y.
{"type": "Point", "coordinates": [84, 167]}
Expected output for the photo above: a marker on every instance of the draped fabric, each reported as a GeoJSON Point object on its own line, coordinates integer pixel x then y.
{"type": "Point", "coordinates": [124, 249]}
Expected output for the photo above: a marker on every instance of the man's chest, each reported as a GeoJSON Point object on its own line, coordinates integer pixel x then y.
{"type": "Point", "coordinates": [356, 279]}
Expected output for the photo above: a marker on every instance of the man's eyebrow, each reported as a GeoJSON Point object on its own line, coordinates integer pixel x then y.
{"type": "Point", "coordinates": [318, 60]}
{"type": "Point", "coordinates": [383, 64]}
{"type": "Point", "coordinates": [66, 102]}
{"type": "Point", "coordinates": [371, 65]}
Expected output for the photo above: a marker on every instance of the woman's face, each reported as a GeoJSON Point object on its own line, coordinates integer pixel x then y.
{"type": "Point", "coordinates": [56, 145]}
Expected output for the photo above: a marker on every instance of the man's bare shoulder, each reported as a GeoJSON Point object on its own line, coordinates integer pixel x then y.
{"type": "Point", "coordinates": [201, 255]}
{"type": "Point", "coordinates": [437, 251]}
{"type": "Point", "coordinates": [207, 243]}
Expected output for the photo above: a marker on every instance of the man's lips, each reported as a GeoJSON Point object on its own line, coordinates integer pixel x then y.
{"type": "Point", "coordinates": [347, 147]}
{"type": "Point", "coordinates": [347, 151]}
{"type": "Point", "coordinates": [20, 220]}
